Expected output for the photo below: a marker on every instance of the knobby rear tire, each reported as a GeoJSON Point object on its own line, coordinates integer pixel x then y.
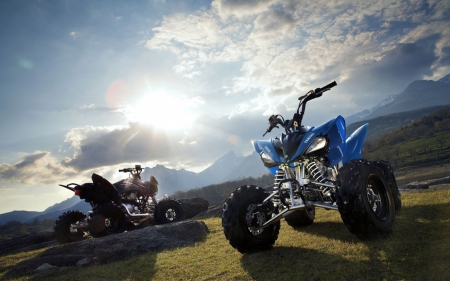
{"type": "Point", "coordinates": [106, 219]}
{"type": "Point", "coordinates": [365, 200]}
{"type": "Point", "coordinates": [390, 178]}
{"type": "Point", "coordinates": [63, 224]}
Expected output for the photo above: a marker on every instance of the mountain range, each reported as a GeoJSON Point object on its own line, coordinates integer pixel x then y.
{"type": "Point", "coordinates": [228, 167]}
{"type": "Point", "coordinates": [418, 94]}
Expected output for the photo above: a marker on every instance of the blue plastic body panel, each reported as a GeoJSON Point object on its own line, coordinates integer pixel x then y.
{"type": "Point", "coordinates": [340, 148]}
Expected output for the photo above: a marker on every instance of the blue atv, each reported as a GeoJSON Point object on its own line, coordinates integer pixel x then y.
{"type": "Point", "coordinates": [313, 167]}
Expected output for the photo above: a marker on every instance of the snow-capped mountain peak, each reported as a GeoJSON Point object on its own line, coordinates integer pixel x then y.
{"type": "Point", "coordinates": [445, 79]}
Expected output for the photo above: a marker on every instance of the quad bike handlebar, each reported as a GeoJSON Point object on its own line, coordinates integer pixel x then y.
{"type": "Point", "coordinates": [296, 121]}
{"type": "Point", "coordinates": [134, 172]}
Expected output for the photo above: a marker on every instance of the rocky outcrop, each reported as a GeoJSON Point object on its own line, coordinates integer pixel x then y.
{"type": "Point", "coordinates": [194, 206]}
{"type": "Point", "coordinates": [426, 184]}
{"type": "Point", "coordinates": [214, 211]}
{"type": "Point", "coordinates": [112, 248]}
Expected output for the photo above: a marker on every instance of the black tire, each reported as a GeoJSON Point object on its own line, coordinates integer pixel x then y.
{"type": "Point", "coordinates": [64, 231]}
{"type": "Point", "coordinates": [364, 199]}
{"type": "Point", "coordinates": [169, 210]}
{"type": "Point", "coordinates": [106, 219]}
{"type": "Point", "coordinates": [301, 217]}
{"type": "Point", "coordinates": [240, 225]}
{"type": "Point", "coordinates": [390, 178]}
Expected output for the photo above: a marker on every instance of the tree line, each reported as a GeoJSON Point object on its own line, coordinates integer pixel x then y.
{"type": "Point", "coordinates": [217, 193]}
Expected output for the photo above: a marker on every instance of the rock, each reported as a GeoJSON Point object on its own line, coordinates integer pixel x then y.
{"type": "Point", "coordinates": [194, 206]}
{"type": "Point", "coordinates": [445, 180]}
{"type": "Point", "coordinates": [214, 211]}
{"type": "Point", "coordinates": [426, 184]}
{"type": "Point", "coordinates": [45, 269]}
{"type": "Point", "coordinates": [84, 262]}
{"type": "Point", "coordinates": [116, 247]}
{"type": "Point", "coordinates": [416, 185]}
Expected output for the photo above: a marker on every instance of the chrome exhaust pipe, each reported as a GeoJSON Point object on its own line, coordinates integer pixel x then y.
{"type": "Point", "coordinates": [134, 215]}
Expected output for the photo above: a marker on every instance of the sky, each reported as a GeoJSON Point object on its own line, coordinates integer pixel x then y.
{"type": "Point", "coordinates": [94, 86]}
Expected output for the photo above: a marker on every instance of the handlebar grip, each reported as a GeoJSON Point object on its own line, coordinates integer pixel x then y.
{"type": "Point", "coordinates": [329, 86]}
{"type": "Point", "coordinates": [121, 170]}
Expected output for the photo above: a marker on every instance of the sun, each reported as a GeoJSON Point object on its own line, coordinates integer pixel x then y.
{"type": "Point", "coordinates": [164, 111]}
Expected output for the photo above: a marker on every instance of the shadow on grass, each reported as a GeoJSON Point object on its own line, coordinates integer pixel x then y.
{"type": "Point", "coordinates": [417, 249]}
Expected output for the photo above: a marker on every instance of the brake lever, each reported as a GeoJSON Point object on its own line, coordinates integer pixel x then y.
{"type": "Point", "coordinates": [273, 121]}
{"type": "Point", "coordinates": [270, 129]}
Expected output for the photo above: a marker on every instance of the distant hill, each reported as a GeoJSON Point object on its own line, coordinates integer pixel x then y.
{"type": "Point", "coordinates": [226, 168]}
{"type": "Point", "coordinates": [251, 166]}
{"type": "Point", "coordinates": [381, 126]}
{"type": "Point", "coordinates": [53, 212]}
{"type": "Point", "coordinates": [21, 216]}
{"type": "Point", "coordinates": [419, 94]}
{"type": "Point", "coordinates": [424, 141]}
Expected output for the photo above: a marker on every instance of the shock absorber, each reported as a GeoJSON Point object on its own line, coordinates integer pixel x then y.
{"type": "Point", "coordinates": [279, 176]}
{"type": "Point", "coordinates": [315, 172]}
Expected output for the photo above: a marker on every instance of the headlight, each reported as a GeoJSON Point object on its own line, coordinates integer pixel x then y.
{"type": "Point", "coordinates": [317, 144]}
{"type": "Point", "coordinates": [268, 162]}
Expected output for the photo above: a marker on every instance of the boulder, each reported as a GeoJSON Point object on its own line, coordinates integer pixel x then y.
{"type": "Point", "coordinates": [416, 185]}
{"type": "Point", "coordinates": [115, 247]}
{"type": "Point", "coordinates": [213, 212]}
{"type": "Point", "coordinates": [426, 184]}
{"type": "Point", "coordinates": [194, 206]}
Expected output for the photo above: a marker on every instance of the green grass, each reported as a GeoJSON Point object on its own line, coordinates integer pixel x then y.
{"type": "Point", "coordinates": [418, 249]}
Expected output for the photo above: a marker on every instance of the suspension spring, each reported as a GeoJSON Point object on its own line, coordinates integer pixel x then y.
{"type": "Point", "coordinates": [279, 176]}
{"type": "Point", "coordinates": [315, 172]}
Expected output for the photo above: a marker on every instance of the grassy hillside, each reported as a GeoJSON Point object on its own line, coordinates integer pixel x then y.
{"type": "Point", "coordinates": [383, 125]}
{"type": "Point", "coordinates": [425, 141]}
{"type": "Point", "coordinates": [417, 249]}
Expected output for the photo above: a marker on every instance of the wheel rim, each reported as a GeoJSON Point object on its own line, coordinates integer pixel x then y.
{"type": "Point", "coordinates": [73, 230]}
{"type": "Point", "coordinates": [171, 214]}
{"type": "Point", "coordinates": [377, 198]}
{"type": "Point", "coordinates": [112, 222]}
{"type": "Point", "coordinates": [254, 220]}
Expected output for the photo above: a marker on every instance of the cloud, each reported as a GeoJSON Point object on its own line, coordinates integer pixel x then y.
{"type": "Point", "coordinates": [287, 47]}
{"type": "Point", "coordinates": [208, 139]}
{"type": "Point", "coordinates": [88, 107]}
{"type": "Point", "coordinates": [35, 168]}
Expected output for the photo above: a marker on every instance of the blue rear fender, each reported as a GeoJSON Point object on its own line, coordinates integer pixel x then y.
{"type": "Point", "coordinates": [354, 144]}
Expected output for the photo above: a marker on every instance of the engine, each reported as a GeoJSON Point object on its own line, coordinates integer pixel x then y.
{"type": "Point", "coordinates": [133, 203]}
{"type": "Point", "coordinates": [315, 171]}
